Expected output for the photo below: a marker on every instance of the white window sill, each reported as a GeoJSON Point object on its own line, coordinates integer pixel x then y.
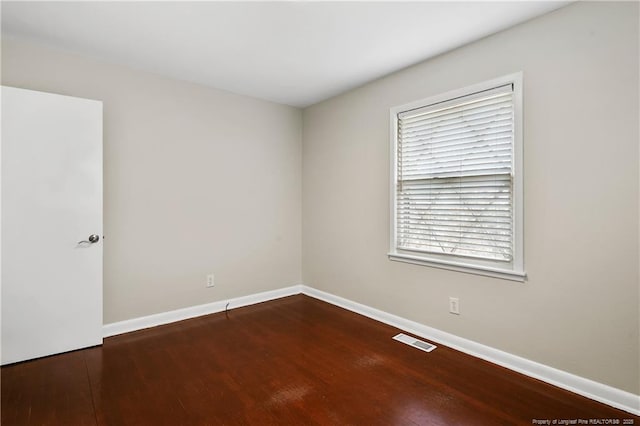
{"type": "Point", "coordinates": [488, 271]}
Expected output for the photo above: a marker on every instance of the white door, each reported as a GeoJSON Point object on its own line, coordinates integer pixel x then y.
{"type": "Point", "coordinates": [51, 201]}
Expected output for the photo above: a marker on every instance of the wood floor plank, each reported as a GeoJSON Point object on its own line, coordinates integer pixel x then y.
{"type": "Point", "coordinates": [293, 361]}
{"type": "Point", "coordinates": [48, 391]}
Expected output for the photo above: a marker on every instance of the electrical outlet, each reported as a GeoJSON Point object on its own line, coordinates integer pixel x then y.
{"type": "Point", "coordinates": [210, 280]}
{"type": "Point", "coordinates": [454, 305]}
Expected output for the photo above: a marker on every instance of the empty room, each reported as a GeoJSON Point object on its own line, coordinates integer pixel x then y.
{"type": "Point", "coordinates": [320, 213]}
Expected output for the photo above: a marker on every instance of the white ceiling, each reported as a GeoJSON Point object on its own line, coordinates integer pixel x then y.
{"type": "Point", "coordinates": [295, 53]}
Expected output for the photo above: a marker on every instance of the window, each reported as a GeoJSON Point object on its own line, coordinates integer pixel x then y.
{"type": "Point", "coordinates": [456, 186]}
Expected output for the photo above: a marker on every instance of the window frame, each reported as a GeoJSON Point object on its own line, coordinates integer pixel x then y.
{"type": "Point", "coordinates": [513, 270]}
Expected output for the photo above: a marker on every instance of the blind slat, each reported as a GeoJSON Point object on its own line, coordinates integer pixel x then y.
{"type": "Point", "coordinates": [485, 109]}
{"type": "Point", "coordinates": [461, 103]}
{"type": "Point", "coordinates": [461, 251]}
{"type": "Point", "coordinates": [498, 146]}
{"type": "Point", "coordinates": [485, 128]}
{"type": "Point", "coordinates": [454, 125]}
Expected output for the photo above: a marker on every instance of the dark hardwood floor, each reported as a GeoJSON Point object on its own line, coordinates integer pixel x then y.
{"type": "Point", "coordinates": [292, 361]}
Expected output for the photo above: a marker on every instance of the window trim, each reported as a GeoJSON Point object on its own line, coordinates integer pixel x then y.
{"type": "Point", "coordinates": [513, 270]}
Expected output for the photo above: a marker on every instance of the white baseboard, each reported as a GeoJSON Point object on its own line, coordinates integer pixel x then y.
{"type": "Point", "coordinates": [195, 311]}
{"type": "Point", "coordinates": [597, 391]}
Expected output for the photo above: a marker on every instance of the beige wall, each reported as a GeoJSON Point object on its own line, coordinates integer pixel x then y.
{"type": "Point", "coordinates": [578, 311]}
{"type": "Point", "coordinates": [197, 180]}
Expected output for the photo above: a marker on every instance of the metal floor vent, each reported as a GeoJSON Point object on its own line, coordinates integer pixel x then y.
{"type": "Point", "coordinates": [412, 341]}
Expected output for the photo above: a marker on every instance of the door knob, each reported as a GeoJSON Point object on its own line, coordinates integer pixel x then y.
{"type": "Point", "coordinates": [93, 238]}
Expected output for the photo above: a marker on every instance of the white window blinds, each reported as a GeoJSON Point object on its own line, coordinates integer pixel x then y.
{"type": "Point", "coordinates": [454, 191]}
